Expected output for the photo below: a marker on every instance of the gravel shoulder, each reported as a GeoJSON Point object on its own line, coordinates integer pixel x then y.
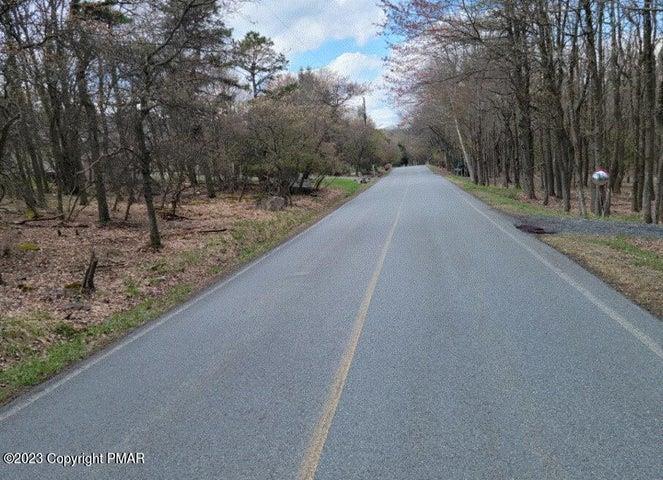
{"type": "Point", "coordinates": [589, 227]}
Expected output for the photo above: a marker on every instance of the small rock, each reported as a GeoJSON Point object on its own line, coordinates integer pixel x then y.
{"type": "Point", "coordinates": [273, 203]}
{"type": "Point", "coordinates": [77, 306]}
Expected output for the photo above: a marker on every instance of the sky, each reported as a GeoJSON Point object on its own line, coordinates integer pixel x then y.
{"type": "Point", "coordinates": [340, 35]}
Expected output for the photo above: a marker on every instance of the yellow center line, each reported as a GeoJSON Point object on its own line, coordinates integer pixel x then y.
{"type": "Point", "coordinates": [311, 460]}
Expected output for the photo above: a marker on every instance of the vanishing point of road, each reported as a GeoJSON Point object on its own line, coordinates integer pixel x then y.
{"type": "Point", "coordinates": [411, 334]}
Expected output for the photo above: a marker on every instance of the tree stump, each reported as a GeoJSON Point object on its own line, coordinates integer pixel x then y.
{"type": "Point", "coordinates": [88, 279]}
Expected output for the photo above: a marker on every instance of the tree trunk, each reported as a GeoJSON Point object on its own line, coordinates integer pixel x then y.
{"type": "Point", "coordinates": [649, 69]}
{"type": "Point", "coordinates": [93, 138]}
{"type": "Point", "coordinates": [146, 173]}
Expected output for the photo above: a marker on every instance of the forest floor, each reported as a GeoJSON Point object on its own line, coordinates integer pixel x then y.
{"type": "Point", "coordinates": [47, 323]}
{"type": "Point", "coordinates": [626, 254]}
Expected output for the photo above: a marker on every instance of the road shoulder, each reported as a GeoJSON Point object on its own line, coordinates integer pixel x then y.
{"type": "Point", "coordinates": [625, 255]}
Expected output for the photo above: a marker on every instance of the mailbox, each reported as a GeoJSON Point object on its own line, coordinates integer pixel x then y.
{"type": "Point", "coordinates": [600, 177]}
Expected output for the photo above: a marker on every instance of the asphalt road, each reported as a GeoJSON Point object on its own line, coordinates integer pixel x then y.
{"type": "Point", "coordinates": [411, 334]}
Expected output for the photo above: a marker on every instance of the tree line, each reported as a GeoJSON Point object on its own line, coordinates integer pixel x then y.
{"type": "Point", "coordinates": [537, 93]}
{"type": "Point", "coordinates": [112, 102]}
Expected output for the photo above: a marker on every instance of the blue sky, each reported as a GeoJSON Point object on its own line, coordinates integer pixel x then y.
{"type": "Point", "coordinates": [340, 35]}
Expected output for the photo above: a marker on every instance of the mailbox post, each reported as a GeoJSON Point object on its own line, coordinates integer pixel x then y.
{"type": "Point", "coordinates": [600, 178]}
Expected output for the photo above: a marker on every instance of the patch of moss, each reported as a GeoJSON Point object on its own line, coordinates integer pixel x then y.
{"type": "Point", "coordinates": [28, 247]}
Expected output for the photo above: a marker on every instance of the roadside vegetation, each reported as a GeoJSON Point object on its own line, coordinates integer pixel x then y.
{"type": "Point", "coordinates": [47, 323]}
{"type": "Point", "coordinates": [107, 105]}
{"type": "Point", "coordinates": [514, 201]}
{"type": "Point", "coordinates": [634, 266]}
{"type": "Point", "coordinates": [509, 200]}
{"type": "Point", "coordinates": [631, 264]}
{"type": "Point", "coordinates": [519, 103]}
{"type": "Point", "coordinates": [348, 185]}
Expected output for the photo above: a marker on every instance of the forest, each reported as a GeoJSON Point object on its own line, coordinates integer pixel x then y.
{"type": "Point", "coordinates": [536, 94]}
{"type": "Point", "coordinates": [109, 103]}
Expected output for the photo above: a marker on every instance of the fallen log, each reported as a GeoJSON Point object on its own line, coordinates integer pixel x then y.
{"type": "Point", "coordinates": [37, 219]}
{"type": "Point", "coordinates": [191, 231]}
{"type": "Point", "coordinates": [58, 225]}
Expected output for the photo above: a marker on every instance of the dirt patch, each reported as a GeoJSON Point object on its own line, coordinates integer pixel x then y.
{"type": "Point", "coordinates": [653, 245]}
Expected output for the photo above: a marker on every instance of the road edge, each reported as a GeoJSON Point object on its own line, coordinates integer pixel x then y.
{"type": "Point", "coordinates": [24, 396]}
{"type": "Point", "coordinates": [576, 261]}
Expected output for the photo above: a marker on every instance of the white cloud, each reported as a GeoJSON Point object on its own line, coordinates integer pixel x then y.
{"type": "Point", "coordinates": [377, 107]}
{"type": "Point", "coordinates": [385, 117]}
{"type": "Point", "coordinates": [298, 26]}
{"type": "Point", "coordinates": [302, 25]}
{"type": "Point", "coordinates": [357, 66]}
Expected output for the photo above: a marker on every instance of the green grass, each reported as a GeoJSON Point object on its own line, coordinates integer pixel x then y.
{"type": "Point", "coordinates": [144, 311]}
{"type": "Point", "coordinates": [348, 185]}
{"type": "Point", "coordinates": [178, 263]}
{"type": "Point", "coordinates": [35, 369]}
{"type": "Point", "coordinates": [633, 268]}
{"type": "Point", "coordinates": [506, 199]}
{"type": "Point", "coordinates": [131, 288]}
{"type": "Point", "coordinates": [19, 333]}
{"type": "Point", "coordinates": [190, 257]}
{"type": "Point", "coordinates": [640, 257]}
{"type": "Point", "coordinates": [255, 237]}
{"type": "Point", "coordinates": [77, 344]}
{"type": "Point", "coordinates": [160, 266]}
